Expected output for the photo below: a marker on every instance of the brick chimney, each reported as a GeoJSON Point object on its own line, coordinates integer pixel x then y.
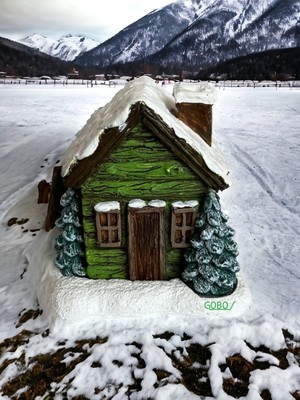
{"type": "Point", "coordinates": [194, 103]}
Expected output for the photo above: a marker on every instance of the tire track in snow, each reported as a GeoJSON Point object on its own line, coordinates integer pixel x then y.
{"type": "Point", "coordinates": [260, 175]}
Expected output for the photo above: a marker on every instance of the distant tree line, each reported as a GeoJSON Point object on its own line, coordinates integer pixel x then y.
{"type": "Point", "coordinates": [272, 64]}
{"type": "Point", "coordinates": [281, 64]}
{"type": "Point", "coordinates": [20, 60]}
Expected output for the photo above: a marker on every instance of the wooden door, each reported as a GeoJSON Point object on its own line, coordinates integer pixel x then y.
{"type": "Point", "coordinates": [146, 243]}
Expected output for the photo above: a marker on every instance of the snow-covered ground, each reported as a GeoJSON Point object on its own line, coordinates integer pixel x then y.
{"type": "Point", "coordinates": [258, 130]}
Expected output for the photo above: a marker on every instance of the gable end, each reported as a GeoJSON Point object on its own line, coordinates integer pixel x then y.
{"type": "Point", "coordinates": [112, 137]}
{"type": "Point", "coordinates": [110, 140]}
{"type": "Point", "coordinates": [182, 149]}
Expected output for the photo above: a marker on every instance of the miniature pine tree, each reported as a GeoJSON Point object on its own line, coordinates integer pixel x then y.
{"type": "Point", "coordinates": [69, 244]}
{"type": "Point", "coordinates": [211, 259]}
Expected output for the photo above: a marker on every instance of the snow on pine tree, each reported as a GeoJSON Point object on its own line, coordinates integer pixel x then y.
{"type": "Point", "coordinates": [69, 244]}
{"type": "Point", "coordinates": [211, 259]}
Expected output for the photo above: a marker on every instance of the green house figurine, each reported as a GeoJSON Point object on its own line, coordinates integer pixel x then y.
{"type": "Point", "coordinates": [141, 168]}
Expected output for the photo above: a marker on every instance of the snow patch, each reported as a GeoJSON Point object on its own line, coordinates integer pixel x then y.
{"type": "Point", "coordinates": [203, 93]}
{"type": "Point", "coordinates": [137, 203]}
{"type": "Point", "coordinates": [184, 204]}
{"type": "Point", "coordinates": [106, 206]}
{"type": "Point", "coordinates": [157, 203]}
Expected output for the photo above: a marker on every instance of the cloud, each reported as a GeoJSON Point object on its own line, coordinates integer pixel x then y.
{"type": "Point", "coordinates": [95, 18]}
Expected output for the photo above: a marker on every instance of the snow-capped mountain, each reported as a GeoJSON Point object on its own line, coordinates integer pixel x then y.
{"type": "Point", "coordinates": [145, 36]}
{"type": "Point", "coordinates": [39, 42]}
{"type": "Point", "coordinates": [196, 34]}
{"type": "Point", "coordinates": [233, 28]}
{"type": "Point", "coordinates": [66, 48]}
{"type": "Point", "coordinates": [22, 60]}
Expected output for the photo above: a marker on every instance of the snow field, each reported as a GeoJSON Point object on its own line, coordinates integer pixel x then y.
{"type": "Point", "coordinates": [258, 130]}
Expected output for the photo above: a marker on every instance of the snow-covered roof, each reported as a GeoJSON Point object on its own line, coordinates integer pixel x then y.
{"type": "Point", "coordinates": [115, 115]}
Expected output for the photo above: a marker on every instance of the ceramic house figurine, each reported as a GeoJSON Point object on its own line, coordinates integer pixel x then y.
{"type": "Point", "coordinates": [141, 167]}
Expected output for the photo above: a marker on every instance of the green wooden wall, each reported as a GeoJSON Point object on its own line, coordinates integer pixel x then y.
{"type": "Point", "coordinates": [142, 167]}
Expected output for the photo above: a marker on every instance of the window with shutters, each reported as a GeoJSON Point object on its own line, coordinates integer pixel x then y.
{"type": "Point", "coordinates": [183, 223]}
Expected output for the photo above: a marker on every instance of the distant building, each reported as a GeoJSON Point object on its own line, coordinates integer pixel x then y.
{"type": "Point", "coordinates": [74, 74]}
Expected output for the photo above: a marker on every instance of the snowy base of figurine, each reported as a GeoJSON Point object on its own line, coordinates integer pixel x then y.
{"type": "Point", "coordinates": [77, 299]}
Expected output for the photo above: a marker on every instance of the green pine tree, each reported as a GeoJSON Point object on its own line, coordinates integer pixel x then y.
{"type": "Point", "coordinates": [69, 244]}
{"type": "Point", "coordinates": [211, 259]}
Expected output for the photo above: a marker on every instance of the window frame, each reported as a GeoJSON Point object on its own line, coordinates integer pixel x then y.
{"type": "Point", "coordinates": [109, 228]}
{"type": "Point", "coordinates": [185, 230]}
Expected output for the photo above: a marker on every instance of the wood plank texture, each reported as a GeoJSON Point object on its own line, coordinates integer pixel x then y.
{"type": "Point", "coordinates": [198, 117]}
{"type": "Point", "coordinates": [179, 147]}
{"type": "Point", "coordinates": [113, 137]}
{"type": "Point", "coordinates": [140, 167]}
{"type": "Point", "coordinates": [107, 263]}
{"type": "Point", "coordinates": [57, 190]}
{"type": "Point", "coordinates": [146, 244]}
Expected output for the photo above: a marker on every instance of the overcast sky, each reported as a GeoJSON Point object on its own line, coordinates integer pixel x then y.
{"type": "Point", "coordinates": [98, 19]}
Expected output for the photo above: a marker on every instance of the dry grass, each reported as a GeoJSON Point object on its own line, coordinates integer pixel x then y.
{"type": "Point", "coordinates": [35, 375]}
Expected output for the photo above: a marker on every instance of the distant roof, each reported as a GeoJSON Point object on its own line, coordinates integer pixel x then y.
{"type": "Point", "coordinates": [115, 114]}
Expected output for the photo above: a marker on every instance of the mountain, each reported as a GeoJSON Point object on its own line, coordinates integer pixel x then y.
{"type": "Point", "coordinates": [230, 29]}
{"type": "Point", "coordinates": [66, 48]}
{"type": "Point", "coordinates": [146, 36]}
{"type": "Point", "coordinates": [195, 35]}
{"type": "Point", "coordinates": [18, 59]}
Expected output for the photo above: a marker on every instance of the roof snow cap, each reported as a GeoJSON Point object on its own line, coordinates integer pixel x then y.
{"type": "Point", "coordinates": [203, 93]}
{"type": "Point", "coordinates": [115, 115]}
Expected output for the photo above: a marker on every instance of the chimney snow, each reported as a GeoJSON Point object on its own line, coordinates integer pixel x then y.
{"type": "Point", "coordinates": [194, 105]}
